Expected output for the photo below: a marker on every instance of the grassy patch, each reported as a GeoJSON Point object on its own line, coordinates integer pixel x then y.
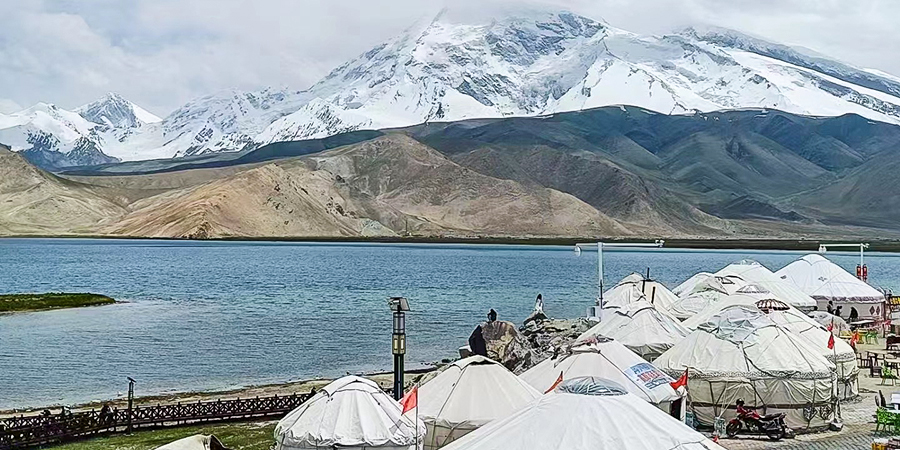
{"type": "Point", "coordinates": [53, 300]}
{"type": "Point", "coordinates": [236, 436]}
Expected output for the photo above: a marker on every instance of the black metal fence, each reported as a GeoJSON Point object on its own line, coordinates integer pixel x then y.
{"type": "Point", "coordinates": [36, 430]}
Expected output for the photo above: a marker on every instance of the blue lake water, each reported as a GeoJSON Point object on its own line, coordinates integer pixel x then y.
{"type": "Point", "coordinates": [212, 315]}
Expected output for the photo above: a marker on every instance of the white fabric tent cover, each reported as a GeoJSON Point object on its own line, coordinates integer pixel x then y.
{"type": "Point", "coordinates": [842, 355]}
{"type": "Point", "coordinates": [756, 273]}
{"type": "Point", "coordinates": [690, 305]}
{"type": "Point", "coordinates": [688, 286]}
{"type": "Point", "coordinates": [352, 413]}
{"type": "Point", "coordinates": [825, 281]}
{"type": "Point", "coordinates": [576, 421]}
{"type": "Point", "coordinates": [467, 395]}
{"type": "Point", "coordinates": [742, 354]}
{"type": "Point", "coordinates": [195, 442]}
{"type": "Point", "coordinates": [838, 325]}
{"type": "Point", "coordinates": [633, 289]}
{"type": "Point", "coordinates": [624, 293]}
{"type": "Point", "coordinates": [609, 360]}
{"type": "Point", "coordinates": [658, 295]}
{"type": "Point", "coordinates": [746, 296]}
{"type": "Point", "coordinates": [641, 328]}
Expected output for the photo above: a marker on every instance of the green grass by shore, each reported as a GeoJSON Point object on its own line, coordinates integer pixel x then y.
{"type": "Point", "coordinates": [236, 436]}
{"type": "Point", "coordinates": [53, 300]}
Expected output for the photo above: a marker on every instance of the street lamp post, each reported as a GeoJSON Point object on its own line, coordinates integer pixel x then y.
{"type": "Point", "coordinates": [130, 402]}
{"type": "Point", "coordinates": [598, 309]}
{"type": "Point", "coordinates": [399, 306]}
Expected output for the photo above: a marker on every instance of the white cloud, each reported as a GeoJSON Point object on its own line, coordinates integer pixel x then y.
{"type": "Point", "coordinates": [8, 106]}
{"type": "Point", "coordinates": [161, 53]}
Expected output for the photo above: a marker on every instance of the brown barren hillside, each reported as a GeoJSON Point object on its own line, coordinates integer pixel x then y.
{"type": "Point", "coordinates": [392, 185]}
{"type": "Point", "coordinates": [33, 201]}
{"type": "Point", "coordinates": [421, 182]}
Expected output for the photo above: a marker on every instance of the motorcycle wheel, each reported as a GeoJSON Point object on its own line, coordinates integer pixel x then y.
{"type": "Point", "coordinates": [732, 429]}
{"type": "Point", "coordinates": [775, 435]}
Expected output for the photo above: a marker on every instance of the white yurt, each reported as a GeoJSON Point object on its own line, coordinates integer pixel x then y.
{"type": "Point", "coordinates": [624, 293]}
{"type": "Point", "coordinates": [826, 282]}
{"type": "Point", "coordinates": [350, 413]}
{"type": "Point", "coordinates": [586, 414]}
{"type": "Point", "coordinates": [754, 272]}
{"type": "Point", "coordinates": [641, 328]}
{"type": "Point", "coordinates": [691, 304]}
{"type": "Point", "coordinates": [658, 294]}
{"type": "Point", "coordinates": [610, 360]}
{"type": "Point", "coordinates": [742, 354]}
{"type": "Point", "coordinates": [842, 355]}
{"type": "Point", "coordinates": [195, 442]}
{"type": "Point", "coordinates": [466, 395]}
{"type": "Point", "coordinates": [691, 283]}
{"type": "Point", "coordinates": [746, 296]}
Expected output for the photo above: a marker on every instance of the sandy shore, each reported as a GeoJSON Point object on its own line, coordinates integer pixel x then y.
{"type": "Point", "coordinates": [385, 379]}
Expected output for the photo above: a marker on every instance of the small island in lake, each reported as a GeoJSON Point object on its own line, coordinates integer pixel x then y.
{"type": "Point", "coordinates": [52, 300]}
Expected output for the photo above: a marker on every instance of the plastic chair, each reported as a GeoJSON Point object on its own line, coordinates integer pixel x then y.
{"type": "Point", "coordinates": [871, 337]}
{"type": "Point", "coordinates": [888, 374]}
{"type": "Point", "coordinates": [884, 419]}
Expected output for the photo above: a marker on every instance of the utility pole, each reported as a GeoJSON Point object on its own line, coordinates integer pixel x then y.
{"type": "Point", "coordinates": [598, 309]}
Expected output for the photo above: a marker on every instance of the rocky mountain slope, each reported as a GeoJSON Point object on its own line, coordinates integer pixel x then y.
{"type": "Point", "coordinates": [33, 201]}
{"type": "Point", "coordinates": [685, 173]}
{"type": "Point", "coordinates": [529, 63]}
{"type": "Point", "coordinates": [391, 185]}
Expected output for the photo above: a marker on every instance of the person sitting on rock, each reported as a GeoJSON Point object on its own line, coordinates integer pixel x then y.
{"type": "Point", "coordinates": [492, 315]}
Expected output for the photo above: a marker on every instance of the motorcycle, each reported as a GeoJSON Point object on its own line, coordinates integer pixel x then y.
{"type": "Point", "coordinates": [771, 425]}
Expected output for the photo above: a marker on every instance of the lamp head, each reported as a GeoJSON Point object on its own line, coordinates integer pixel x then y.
{"type": "Point", "coordinates": [398, 304]}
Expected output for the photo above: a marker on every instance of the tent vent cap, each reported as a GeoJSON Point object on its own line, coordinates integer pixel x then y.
{"type": "Point", "coordinates": [591, 386]}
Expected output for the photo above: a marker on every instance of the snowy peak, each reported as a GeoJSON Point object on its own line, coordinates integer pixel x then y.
{"type": "Point", "coordinates": [801, 57]}
{"type": "Point", "coordinates": [113, 111]}
{"type": "Point", "coordinates": [518, 63]}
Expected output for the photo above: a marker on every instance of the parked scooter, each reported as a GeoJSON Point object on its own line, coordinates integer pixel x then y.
{"type": "Point", "coordinates": [771, 425]}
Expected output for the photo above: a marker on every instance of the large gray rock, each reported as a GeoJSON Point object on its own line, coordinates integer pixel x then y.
{"type": "Point", "coordinates": [504, 344]}
{"type": "Point", "coordinates": [545, 337]}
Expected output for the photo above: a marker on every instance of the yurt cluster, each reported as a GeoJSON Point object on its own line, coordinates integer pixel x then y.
{"type": "Point", "coordinates": [658, 365]}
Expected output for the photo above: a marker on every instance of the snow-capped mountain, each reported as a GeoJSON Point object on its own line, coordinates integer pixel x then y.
{"type": "Point", "coordinates": [525, 64]}
{"type": "Point", "coordinates": [54, 138]}
{"type": "Point", "coordinates": [113, 111]}
{"type": "Point", "coordinates": [553, 62]}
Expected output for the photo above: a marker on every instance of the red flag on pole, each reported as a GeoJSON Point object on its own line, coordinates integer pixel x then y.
{"type": "Point", "coordinates": [410, 400]}
{"type": "Point", "coordinates": [681, 381]}
{"type": "Point", "coordinates": [831, 326]}
{"type": "Point", "coordinates": [830, 341]}
{"type": "Point", "coordinates": [555, 383]}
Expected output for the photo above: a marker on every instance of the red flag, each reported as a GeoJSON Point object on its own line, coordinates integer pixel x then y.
{"type": "Point", "coordinates": [831, 326]}
{"type": "Point", "coordinates": [556, 383]}
{"type": "Point", "coordinates": [830, 341]}
{"type": "Point", "coordinates": [681, 381]}
{"type": "Point", "coordinates": [410, 400]}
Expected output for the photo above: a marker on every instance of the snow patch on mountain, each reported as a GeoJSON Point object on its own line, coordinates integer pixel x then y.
{"type": "Point", "coordinates": [526, 63]}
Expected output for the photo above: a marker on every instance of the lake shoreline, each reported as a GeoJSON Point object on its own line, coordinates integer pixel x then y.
{"type": "Point", "coordinates": [811, 245]}
{"type": "Point", "coordinates": [383, 378]}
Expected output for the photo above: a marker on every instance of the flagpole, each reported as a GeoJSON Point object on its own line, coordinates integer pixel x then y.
{"type": "Point", "coordinates": [417, 420]}
{"type": "Point", "coordinates": [837, 403]}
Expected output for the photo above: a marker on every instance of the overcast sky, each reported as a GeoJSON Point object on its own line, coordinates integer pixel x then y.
{"type": "Point", "coordinates": [162, 53]}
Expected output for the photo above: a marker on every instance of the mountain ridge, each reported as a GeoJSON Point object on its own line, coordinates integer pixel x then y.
{"type": "Point", "coordinates": [521, 64]}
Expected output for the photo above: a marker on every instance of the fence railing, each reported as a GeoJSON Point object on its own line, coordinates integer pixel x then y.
{"type": "Point", "coordinates": [30, 431]}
